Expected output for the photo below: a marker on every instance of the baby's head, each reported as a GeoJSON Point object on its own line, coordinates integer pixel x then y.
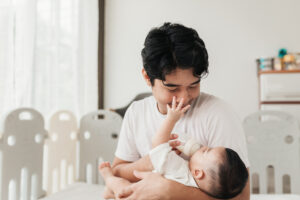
{"type": "Point", "coordinates": [219, 172]}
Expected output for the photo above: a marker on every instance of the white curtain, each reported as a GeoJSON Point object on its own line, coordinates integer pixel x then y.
{"type": "Point", "coordinates": [48, 55]}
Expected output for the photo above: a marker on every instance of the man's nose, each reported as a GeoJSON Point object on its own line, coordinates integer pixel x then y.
{"type": "Point", "coordinates": [185, 95]}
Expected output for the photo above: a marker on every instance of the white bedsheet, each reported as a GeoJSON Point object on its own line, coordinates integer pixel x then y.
{"type": "Point", "coordinates": [275, 197]}
{"type": "Point", "coordinates": [84, 191]}
{"type": "Point", "coordinates": [78, 191]}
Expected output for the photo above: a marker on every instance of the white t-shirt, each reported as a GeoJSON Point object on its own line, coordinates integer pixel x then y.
{"type": "Point", "coordinates": [209, 120]}
{"type": "Point", "coordinates": [171, 166]}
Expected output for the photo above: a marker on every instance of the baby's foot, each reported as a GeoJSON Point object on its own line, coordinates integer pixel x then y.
{"type": "Point", "coordinates": [105, 170]}
{"type": "Point", "coordinates": [108, 193]}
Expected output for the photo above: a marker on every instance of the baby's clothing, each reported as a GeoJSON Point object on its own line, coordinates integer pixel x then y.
{"type": "Point", "coordinates": [171, 166]}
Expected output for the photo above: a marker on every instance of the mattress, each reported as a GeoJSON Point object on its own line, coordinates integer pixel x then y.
{"type": "Point", "coordinates": [274, 197]}
{"type": "Point", "coordinates": [78, 191]}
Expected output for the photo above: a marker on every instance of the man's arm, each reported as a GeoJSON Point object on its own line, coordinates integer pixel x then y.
{"type": "Point", "coordinates": [125, 169]}
{"type": "Point", "coordinates": [168, 190]}
{"type": "Point", "coordinates": [179, 192]}
{"type": "Point", "coordinates": [154, 187]}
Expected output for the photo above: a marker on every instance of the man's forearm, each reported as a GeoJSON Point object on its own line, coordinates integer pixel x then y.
{"type": "Point", "coordinates": [179, 191]}
{"type": "Point", "coordinates": [125, 170]}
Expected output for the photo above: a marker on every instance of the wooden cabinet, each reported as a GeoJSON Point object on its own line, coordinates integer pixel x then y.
{"type": "Point", "coordinates": [280, 90]}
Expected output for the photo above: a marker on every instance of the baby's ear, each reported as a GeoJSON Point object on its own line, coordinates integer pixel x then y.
{"type": "Point", "coordinates": [199, 174]}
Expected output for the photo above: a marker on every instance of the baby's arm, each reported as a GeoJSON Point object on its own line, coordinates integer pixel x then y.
{"type": "Point", "coordinates": [173, 115]}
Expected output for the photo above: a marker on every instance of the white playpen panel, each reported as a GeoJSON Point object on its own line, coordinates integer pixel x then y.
{"type": "Point", "coordinates": [273, 144]}
{"type": "Point", "coordinates": [21, 150]}
{"type": "Point", "coordinates": [60, 152]}
{"type": "Point", "coordinates": [99, 130]}
{"type": "Point", "coordinates": [98, 139]}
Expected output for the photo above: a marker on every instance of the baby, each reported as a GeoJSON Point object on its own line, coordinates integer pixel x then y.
{"type": "Point", "coordinates": [219, 172]}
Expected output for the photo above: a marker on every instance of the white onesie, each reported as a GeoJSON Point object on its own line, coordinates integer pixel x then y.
{"type": "Point", "coordinates": [170, 165]}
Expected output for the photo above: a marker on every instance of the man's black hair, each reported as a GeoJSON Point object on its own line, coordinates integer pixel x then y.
{"type": "Point", "coordinates": [171, 46]}
{"type": "Point", "coordinates": [230, 178]}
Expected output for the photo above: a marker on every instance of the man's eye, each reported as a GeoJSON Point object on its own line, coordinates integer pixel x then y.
{"type": "Point", "coordinates": [173, 90]}
{"type": "Point", "coordinates": [193, 87]}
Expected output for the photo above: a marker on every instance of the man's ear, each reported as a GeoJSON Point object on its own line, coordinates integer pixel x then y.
{"type": "Point", "coordinates": [146, 77]}
{"type": "Point", "coordinates": [199, 174]}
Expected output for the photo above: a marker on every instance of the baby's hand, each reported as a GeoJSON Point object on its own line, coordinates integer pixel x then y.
{"type": "Point", "coordinates": [175, 112]}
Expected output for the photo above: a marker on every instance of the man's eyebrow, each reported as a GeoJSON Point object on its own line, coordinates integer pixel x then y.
{"type": "Point", "coordinates": [174, 85]}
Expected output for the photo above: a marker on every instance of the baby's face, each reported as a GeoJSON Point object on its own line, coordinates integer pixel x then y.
{"type": "Point", "coordinates": [206, 157]}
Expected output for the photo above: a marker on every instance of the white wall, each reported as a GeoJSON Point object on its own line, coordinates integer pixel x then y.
{"type": "Point", "coordinates": [236, 32]}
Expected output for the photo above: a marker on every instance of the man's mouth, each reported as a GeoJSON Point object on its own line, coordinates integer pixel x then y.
{"type": "Point", "coordinates": [189, 103]}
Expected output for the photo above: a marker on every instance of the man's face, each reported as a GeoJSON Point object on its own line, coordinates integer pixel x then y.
{"type": "Point", "coordinates": [181, 83]}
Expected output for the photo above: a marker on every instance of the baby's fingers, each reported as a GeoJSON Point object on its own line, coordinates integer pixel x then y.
{"type": "Point", "coordinates": [180, 104]}
{"type": "Point", "coordinates": [186, 108]}
{"type": "Point", "coordinates": [174, 102]}
{"type": "Point", "coordinates": [168, 107]}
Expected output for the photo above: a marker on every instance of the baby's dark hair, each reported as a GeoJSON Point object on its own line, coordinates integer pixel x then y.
{"type": "Point", "coordinates": [230, 177]}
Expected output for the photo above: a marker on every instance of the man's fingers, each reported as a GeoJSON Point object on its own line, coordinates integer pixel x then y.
{"type": "Point", "coordinates": [173, 136]}
{"type": "Point", "coordinates": [125, 192]}
{"type": "Point", "coordinates": [168, 107]}
{"type": "Point", "coordinates": [174, 143]}
{"type": "Point", "coordinates": [180, 104]}
{"type": "Point", "coordinates": [174, 102]}
{"type": "Point", "coordinates": [176, 151]}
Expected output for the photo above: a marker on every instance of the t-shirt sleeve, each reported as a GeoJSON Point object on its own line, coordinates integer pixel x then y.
{"type": "Point", "coordinates": [158, 157]}
{"type": "Point", "coordinates": [127, 149]}
{"type": "Point", "coordinates": [170, 165]}
{"type": "Point", "coordinates": [165, 161]}
{"type": "Point", "coordinates": [225, 129]}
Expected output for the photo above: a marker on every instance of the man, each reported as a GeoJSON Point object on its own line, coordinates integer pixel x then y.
{"type": "Point", "coordinates": [175, 59]}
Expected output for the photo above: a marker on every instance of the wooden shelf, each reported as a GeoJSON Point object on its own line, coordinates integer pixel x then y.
{"type": "Point", "coordinates": [279, 71]}
{"type": "Point", "coordinates": [279, 102]}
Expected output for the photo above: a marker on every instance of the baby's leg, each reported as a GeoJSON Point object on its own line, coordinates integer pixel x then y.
{"type": "Point", "coordinates": [114, 185]}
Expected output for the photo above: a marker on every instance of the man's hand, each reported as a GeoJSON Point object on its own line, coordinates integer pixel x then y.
{"type": "Point", "coordinates": [152, 186]}
{"type": "Point", "coordinates": [174, 143]}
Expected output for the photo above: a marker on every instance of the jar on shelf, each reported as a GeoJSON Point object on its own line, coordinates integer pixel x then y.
{"type": "Point", "coordinates": [277, 64]}
{"type": "Point", "coordinates": [289, 62]}
{"type": "Point", "coordinates": [265, 64]}
{"type": "Point", "coordinates": [297, 60]}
